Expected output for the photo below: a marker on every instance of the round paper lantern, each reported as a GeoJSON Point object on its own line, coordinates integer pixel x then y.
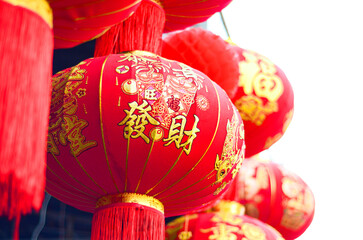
{"type": "Point", "coordinates": [275, 196]}
{"type": "Point", "coordinates": [26, 49]}
{"type": "Point", "coordinates": [221, 225]}
{"type": "Point", "coordinates": [207, 52]}
{"type": "Point", "coordinates": [264, 99]}
{"type": "Point", "coordinates": [134, 135]}
{"type": "Point", "coordinates": [78, 21]}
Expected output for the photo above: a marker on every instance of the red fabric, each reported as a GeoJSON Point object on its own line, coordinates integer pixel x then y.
{"type": "Point", "coordinates": [186, 13]}
{"type": "Point", "coordinates": [275, 196]}
{"type": "Point", "coordinates": [207, 52]}
{"type": "Point", "coordinates": [26, 47]}
{"type": "Point", "coordinates": [141, 31]}
{"type": "Point", "coordinates": [78, 21]}
{"type": "Point", "coordinates": [219, 225]}
{"type": "Point", "coordinates": [105, 113]}
{"type": "Point", "coordinates": [265, 100]}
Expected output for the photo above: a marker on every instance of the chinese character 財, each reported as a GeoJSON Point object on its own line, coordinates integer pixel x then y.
{"type": "Point", "coordinates": [177, 132]}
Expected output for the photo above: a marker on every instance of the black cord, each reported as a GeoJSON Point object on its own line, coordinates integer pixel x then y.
{"type": "Point", "coordinates": [43, 213]}
{"type": "Point", "coordinates": [224, 24]}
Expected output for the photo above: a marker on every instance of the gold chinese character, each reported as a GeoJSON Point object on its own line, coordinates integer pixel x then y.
{"type": "Point", "coordinates": [227, 218]}
{"type": "Point", "coordinates": [135, 122]}
{"type": "Point", "coordinates": [259, 74]}
{"type": "Point", "coordinates": [252, 232]}
{"type": "Point", "coordinates": [72, 133]}
{"type": "Point", "coordinates": [177, 132]}
{"type": "Point", "coordinates": [150, 94]}
{"type": "Point", "coordinates": [222, 232]}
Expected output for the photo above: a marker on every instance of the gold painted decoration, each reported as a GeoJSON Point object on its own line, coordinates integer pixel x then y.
{"type": "Point", "coordinates": [219, 225]}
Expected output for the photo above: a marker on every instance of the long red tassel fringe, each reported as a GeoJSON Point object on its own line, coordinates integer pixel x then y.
{"type": "Point", "coordinates": [128, 221]}
{"type": "Point", "coordinates": [26, 46]}
{"type": "Point", "coordinates": [141, 31]}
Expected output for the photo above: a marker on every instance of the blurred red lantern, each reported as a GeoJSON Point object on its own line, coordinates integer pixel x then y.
{"type": "Point", "coordinates": [206, 52]}
{"type": "Point", "coordinates": [180, 15]}
{"type": "Point", "coordinates": [222, 224]}
{"type": "Point", "coordinates": [26, 49]}
{"type": "Point", "coordinates": [78, 21]}
{"type": "Point", "coordinates": [275, 196]}
{"type": "Point", "coordinates": [264, 99]}
{"type": "Point", "coordinates": [135, 132]}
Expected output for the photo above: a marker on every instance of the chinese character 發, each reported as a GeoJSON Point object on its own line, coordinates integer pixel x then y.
{"type": "Point", "coordinates": [135, 122]}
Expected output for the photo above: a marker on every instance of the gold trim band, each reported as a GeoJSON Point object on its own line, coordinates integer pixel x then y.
{"type": "Point", "coordinates": [231, 207]}
{"type": "Point", "coordinates": [158, 2]}
{"type": "Point", "coordinates": [141, 199]}
{"type": "Point", "coordinates": [40, 7]}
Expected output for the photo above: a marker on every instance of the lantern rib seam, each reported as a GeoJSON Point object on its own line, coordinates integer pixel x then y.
{"type": "Point", "coordinates": [55, 158]}
{"type": "Point", "coordinates": [101, 123]}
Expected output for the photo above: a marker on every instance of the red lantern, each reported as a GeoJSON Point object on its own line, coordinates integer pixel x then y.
{"type": "Point", "coordinates": [226, 225]}
{"type": "Point", "coordinates": [26, 48]}
{"type": "Point", "coordinates": [264, 99]}
{"type": "Point", "coordinates": [147, 24]}
{"type": "Point", "coordinates": [275, 196]}
{"type": "Point", "coordinates": [79, 21]}
{"type": "Point", "coordinates": [207, 52]}
{"type": "Point", "coordinates": [137, 133]}
{"type": "Point", "coordinates": [180, 15]}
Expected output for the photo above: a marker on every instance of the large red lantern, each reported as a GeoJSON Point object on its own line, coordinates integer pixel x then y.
{"type": "Point", "coordinates": [207, 52]}
{"type": "Point", "coordinates": [133, 135]}
{"type": "Point", "coordinates": [79, 21]}
{"type": "Point", "coordinates": [264, 99]}
{"type": "Point", "coordinates": [228, 223]}
{"type": "Point", "coordinates": [26, 49]}
{"type": "Point", "coordinates": [275, 196]}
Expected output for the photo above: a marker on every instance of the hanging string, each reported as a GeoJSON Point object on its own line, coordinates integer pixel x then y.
{"type": "Point", "coordinates": [225, 25]}
{"type": "Point", "coordinates": [43, 213]}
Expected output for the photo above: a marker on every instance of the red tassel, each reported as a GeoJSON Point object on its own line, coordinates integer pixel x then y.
{"type": "Point", "coordinates": [129, 221]}
{"type": "Point", "coordinates": [141, 31]}
{"type": "Point", "coordinates": [26, 46]}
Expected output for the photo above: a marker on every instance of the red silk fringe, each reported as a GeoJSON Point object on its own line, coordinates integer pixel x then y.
{"type": "Point", "coordinates": [129, 221]}
{"type": "Point", "coordinates": [141, 31]}
{"type": "Point", "coordinates": [26, 48]}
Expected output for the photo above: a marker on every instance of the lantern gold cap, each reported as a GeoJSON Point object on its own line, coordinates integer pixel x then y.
{"type": "Point", "coordinates": [40, 7]}
{"type": "Point", "coordinates": [231, 207]}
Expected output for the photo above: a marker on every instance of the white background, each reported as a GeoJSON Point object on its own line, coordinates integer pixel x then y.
{"type": "Point", "coordinates": [318, 44]}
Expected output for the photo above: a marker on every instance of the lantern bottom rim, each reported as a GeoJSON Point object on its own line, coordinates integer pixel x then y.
{"type": "Point", "coordinates": [129, 198]}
